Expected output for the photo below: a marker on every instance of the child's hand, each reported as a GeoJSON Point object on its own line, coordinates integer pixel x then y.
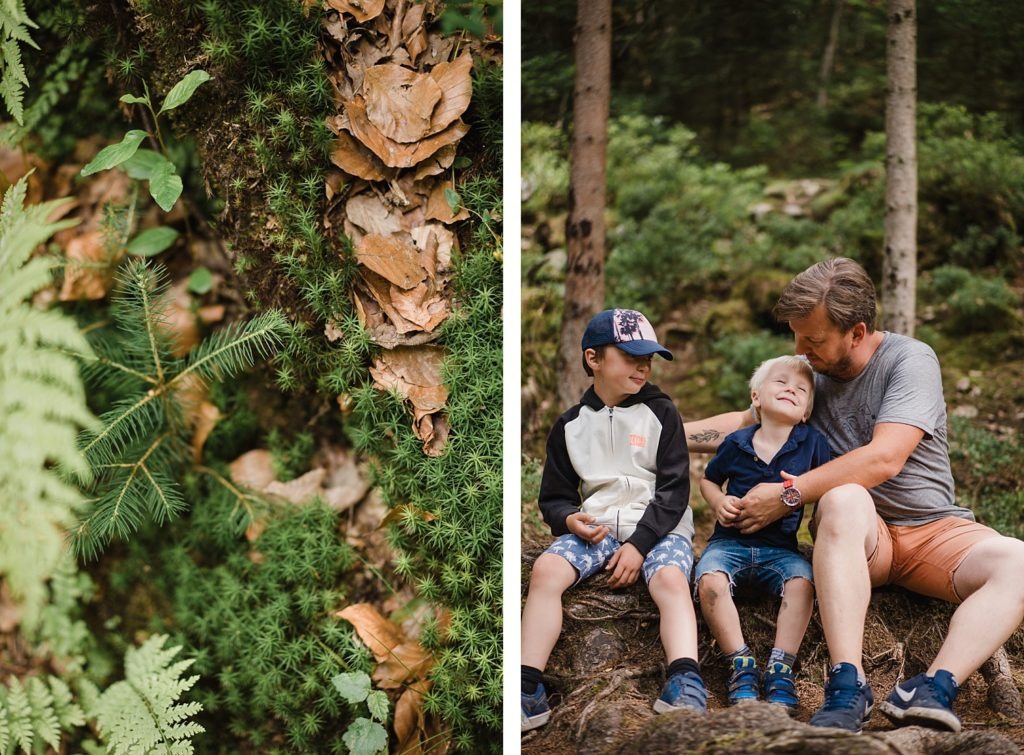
{"type": "Point", "coordinates": [728, 511]}
{"type": "Point", "coordinates": [625, 565]}
{"type": "Point", "coordinates": [580, 525]}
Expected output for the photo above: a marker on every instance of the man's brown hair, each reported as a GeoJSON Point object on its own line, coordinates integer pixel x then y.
{"type": "Point", "coordinates": [840, 284]}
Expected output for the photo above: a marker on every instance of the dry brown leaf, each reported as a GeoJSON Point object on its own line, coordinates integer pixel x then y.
{"type": "Point", "coordinates": [211, 313]}
{"type": "Point", "coordinates": [355, 159]}
{"type": "Point", "coordinates": [437, 243]}
{"type": "Point", "coordinates": [336, 26]}
{"type": "Point", "coordinates": [333, 182]}
{"type": "Point", "coordinates": [300, 490]}
{"type": "Point", "coordinates": [333, 332]}
{"type": "Point", "coordinates": [411, 728]}
{"type": "Point", "coordinates": [410, 367]}
{"type": "Point", "coordinates": [439, 49]}
{"type": "Point", "coordinates": [377, 633]}
{"type": "Point", "coordinates": [361, 10]}
{"type": "Point", "coordinates": [90, 271]}
{"type": "Point", "coordinates": [395, 260]}
{"type": "Point", "coordinates": [438, 162]}
{"type": "Point", "coordinates": [382, 293]}
{"type": "Point", "coordinates": [434, 435]}
{"type": "Point", "coordinates": [381, 330]}
{"type": "Point", "coordinates": [456, 85]}
{"type": "Point", "coordinates": [423, 305]}
{"type": "Point", "coordinates": [179, 320]}
{"type": "Point", "coordinates": [368, 212]}
{"type": "Point", "coordinates": [438, 207]}
{"type": "Point", "coordinates": [396, 154]}
{"type": "Point", "coordinates": [206, 418]}
{"type": "Point", "coordinates": [399, 102]}
{"type": "Point", "coordinates": [253, 469]}
{"type": "Point", "coordinates": [407, 660]}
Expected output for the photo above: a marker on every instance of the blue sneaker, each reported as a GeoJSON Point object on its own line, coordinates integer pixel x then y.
{"type": "Point", "coordinates": [779, 688]}
{"type": "Point", "coordinates": [685, 690]}
{"type": "Point", "coordinates": [848, 703]}
{"type": "Point", "coordinates": [924, 701]}
{"type": "Point", "coordinates": [744, 681]}
{"type": "Point", "coordinates": [535, 709]}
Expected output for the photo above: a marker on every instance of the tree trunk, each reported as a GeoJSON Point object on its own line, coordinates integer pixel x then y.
{"type": "Point", "coordinates": [584, 280]}
{"type": "Point", "coordinates": [899, 268]}
{"type": "Point", "coordinates": [828, 59]}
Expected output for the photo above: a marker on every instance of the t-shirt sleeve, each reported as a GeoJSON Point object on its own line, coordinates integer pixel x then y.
{"type": "Point", "coordinates": [913, 392]}
{"type": "Point", "coordinates": [717, 470]}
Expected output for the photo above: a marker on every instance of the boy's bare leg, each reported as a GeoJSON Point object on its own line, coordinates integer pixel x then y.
{"type": "Point", "coordinates": [720, 612]}
{"type": "Point", "coordinates": [542, 615]}
{"type": "Point", "coordinates": [847, 534]}
{"type": "Point", "coordinates": [993, 607]}
{"type": "Point", "coordinates": [794, 615]}
{"type": "Point", "coordinates": [670, 591]}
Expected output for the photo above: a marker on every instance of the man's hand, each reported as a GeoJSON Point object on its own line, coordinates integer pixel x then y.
{"type": "Point", "coordinates": [580, 525]}
{"type": "Point", "coordinates": [761, 506]}
{"type": "Point", "coordinates": [625, 565]}
{"type": "Point", "coordinates": [727, 512]}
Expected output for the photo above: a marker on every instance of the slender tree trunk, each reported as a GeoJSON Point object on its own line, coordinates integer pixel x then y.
{"type": "Point", "coordinates": [828, 59]}
{"type": "Point", "coordinates": [584, 281]}
{"type": "Point", "coordinates": [899, 268]}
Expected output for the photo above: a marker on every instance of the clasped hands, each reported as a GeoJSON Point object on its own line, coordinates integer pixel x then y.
{"type": "Point", "coordinates": [625, 563]}
{"type": "Point", "coordinates": [761, 506]}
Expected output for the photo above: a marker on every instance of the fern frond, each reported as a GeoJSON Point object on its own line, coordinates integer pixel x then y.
{"type": "Point", "coordinates": [19, 715]}
{"type": "Point", "coordinates": [236, 348]}
{"type": "Point", "coordinates": [142, 713]}
{"type": "Point", "coordinates": [14, 23]}
{"type": "Point", "coordinates": [45, 725]}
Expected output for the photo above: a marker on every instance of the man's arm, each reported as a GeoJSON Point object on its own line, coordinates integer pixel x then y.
{"type": "Point", "coordinates": [868, 466]}
{"type": "Point", "coordinates": [704, 435]}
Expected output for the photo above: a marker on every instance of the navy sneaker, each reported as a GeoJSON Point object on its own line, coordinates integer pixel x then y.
{"type": "Point", "coordinates": [779, 688]}
{"type": "Point", "coordinates": [684, 690]}
{"type": "Point", "coordinates": [535, 709]}
{"type": "Point", "coordinates": [745, 681]}
{"type": "Point", "coordinates": [848, 703]}
{"type": "Point", "coordinates": [924, 701]}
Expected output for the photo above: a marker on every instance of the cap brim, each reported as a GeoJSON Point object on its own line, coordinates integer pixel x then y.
{"type": "Point", "coordinates": [645, 348]}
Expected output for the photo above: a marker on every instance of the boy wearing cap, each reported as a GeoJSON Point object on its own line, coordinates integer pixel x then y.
{"type": "Point", "coordinates": [615, 492]}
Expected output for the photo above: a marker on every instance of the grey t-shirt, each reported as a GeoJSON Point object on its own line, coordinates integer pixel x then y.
{"type": "Point", "coordinates": [902, 384]}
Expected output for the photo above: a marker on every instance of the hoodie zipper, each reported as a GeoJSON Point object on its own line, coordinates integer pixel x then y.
{"type": "Point", "coordinates": [611, 430]}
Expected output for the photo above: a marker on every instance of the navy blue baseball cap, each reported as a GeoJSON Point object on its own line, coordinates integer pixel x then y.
{"type": "Point", "coordinates": [625, 328]}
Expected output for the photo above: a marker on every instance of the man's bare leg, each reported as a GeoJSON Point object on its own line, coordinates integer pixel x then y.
{"type": "Point", "coordinates": [846, 535]}
{"type": "Point", "coordinates": [989, 580]}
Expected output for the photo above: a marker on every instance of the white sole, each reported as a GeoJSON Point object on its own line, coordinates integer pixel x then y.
{"type": "Point", "coordinates": [660, 706]}
{"type": "Point", "coordinates": [534, 722]}
{"type": "Point", "coordinates": [931, 717]}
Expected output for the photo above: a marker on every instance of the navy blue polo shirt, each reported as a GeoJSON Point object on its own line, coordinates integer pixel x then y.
{"type": "Point", "coordinates": [737, 462]}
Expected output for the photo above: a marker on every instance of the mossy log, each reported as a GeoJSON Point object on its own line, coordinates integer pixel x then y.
{"type": "Point", "coordinates": [608, 668]}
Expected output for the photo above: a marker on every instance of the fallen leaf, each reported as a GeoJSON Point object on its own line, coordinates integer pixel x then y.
{"type": "Point", "coordinates": [376, 632]}
{"type": "Point", "coordinates": [354, 158]}
{"type": "Point", "coordinates": [393, 153]}
{"type": "Point", "coordinates": [426, 236]}
{"type": "Point", "coordinates": [301, 489]}
{"type": "Point", "coordinates": [434, 437]}
{"type": "Point", "coordinates": [335, 25]}
{"type": "Point", "coordinates": [253, 469]}
{"type": "Point", "coordinates": [206, 418]}
{"type": "Point", "coordinates": [400, 102]}
{"type": "Point", "coordinates": [423, 305]}
{"type": "Point", "coordinates": [90, 270]}
{"type": "Point", "coordinates": [438, 207]}
{"type": "Point", "coordinates": [407, 660]}
{"type": "Point", "coordinates": [332, 332]}
{"type": "Point", "coordinates": [211, 313]}
{"type": "Point", "coordinates": [395, 260]}
{"type": "Point", "coordinates": [438, 162]}
{"type": "Point", "coordinates": [415, 374]}
{"type": "Point", "coordinates": [382, 292]}
{"type": "Point", "coordinates": [368, 212]}
{"type": "Point", "coordinates": [456, 85]}
{"type": "Point", "coordinates": [361, 10]}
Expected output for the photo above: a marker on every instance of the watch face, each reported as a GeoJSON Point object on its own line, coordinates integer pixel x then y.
{"type": "Point", "coordinates": [791, 496]}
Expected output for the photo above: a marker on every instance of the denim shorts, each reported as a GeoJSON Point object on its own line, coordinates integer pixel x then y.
{"type": "Point", "coordinates": [588, 559]}
{"type": "Point", "coordinates": [754, 570]}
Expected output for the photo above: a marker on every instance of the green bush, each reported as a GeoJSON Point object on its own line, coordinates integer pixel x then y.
{"type": "Point", "coordinates": [737, 356]}
{"type": "Point", "coordinates": [970, 303]}
{"type": "Point", "coordinates": [988, 472]}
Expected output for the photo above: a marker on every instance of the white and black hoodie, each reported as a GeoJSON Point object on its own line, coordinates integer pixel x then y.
{"type": "Point", "coordinates": [627, 465]}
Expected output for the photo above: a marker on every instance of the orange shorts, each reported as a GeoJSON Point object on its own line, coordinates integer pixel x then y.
{"type": "Point", "coordinates": [924, 557]}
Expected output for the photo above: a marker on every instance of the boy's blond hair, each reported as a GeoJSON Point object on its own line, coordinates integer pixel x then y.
{"type": "Point", "coordinates": [796, 361]}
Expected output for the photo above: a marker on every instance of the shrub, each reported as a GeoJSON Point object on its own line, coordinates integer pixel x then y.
{"type": "Point", "coordinates": [972, 303]}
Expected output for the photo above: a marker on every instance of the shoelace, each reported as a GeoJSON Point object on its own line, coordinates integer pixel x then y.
{"type": "Point", "coordinates": [842, 697]}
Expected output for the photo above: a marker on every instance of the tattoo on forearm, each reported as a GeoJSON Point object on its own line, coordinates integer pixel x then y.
{"type": "Point", "coordinates": [705, 437]}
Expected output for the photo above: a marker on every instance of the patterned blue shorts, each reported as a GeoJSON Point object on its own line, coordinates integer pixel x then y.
{"type": "Point", "coordinates": [588, 560]}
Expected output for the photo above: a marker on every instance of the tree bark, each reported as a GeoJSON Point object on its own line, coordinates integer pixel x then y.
{"type": "Point", "coordinates": [585, 242]}
{"type": "Point", "coordinates": [899, 268]}
{"type": "Point", "coordinates": [828, 59]}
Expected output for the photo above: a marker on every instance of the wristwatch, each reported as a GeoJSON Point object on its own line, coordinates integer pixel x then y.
{"type": "Point", "coordinates": [790, 495]}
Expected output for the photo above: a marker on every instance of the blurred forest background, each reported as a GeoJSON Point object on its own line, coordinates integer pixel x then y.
{"type": "Point", "coordinates": [737, 157]}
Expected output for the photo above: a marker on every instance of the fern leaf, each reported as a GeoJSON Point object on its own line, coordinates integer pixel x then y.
{"type": "Point", "coordinates": [69, 713]}
{"type": "Point", "coordinates": [140, 714]}
{"type": "Point", "coordinates": [19, 715]}
{"type": "Point", "coordinates": [45, 725]}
